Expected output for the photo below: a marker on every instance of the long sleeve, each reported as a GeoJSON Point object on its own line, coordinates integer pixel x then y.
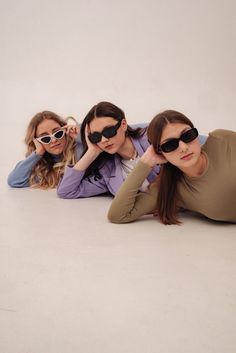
{"type": "Point", "coordinates": [73, 186]}
{"type": "Point", "coordinates": [129, 203]}
{"type": "Point", "coordinates": [19, 177]}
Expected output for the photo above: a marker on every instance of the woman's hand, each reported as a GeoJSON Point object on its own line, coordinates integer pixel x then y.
{"type": "Point", "coordinates": [151, 158]}
{"type": "Point", "coordinates": [39, 148]}
{"type": "Point", "coordinates": [72, 130]}
{"type": "Point", "coordinates": [92, 148]}
{"type": "Point", "coordinates": [91, 154]}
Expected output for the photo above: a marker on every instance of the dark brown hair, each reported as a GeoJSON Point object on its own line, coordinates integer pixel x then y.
{"type": "Point", "coordinates": [101, 110]}
{"type": "Point", "coordinates": [170, 174]}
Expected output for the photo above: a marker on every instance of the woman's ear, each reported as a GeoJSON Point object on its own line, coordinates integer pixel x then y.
{"type": "Point", "coordinates": [124, 124]}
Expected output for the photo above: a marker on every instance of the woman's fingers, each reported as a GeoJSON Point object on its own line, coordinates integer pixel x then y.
{"type": "Point", "coordinates": [38, 147]}
{"type": "Point", "coordinates": [72, 130]}
{"type": "Point", "coordinates": [91, 146]}
{"type": "Point", "coordinates": [86, 135]}
{"type": "Point", "coordinates": [152, 158]}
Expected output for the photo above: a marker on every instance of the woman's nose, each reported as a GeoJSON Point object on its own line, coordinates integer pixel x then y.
{"type": "Point", "coordinates": [183, 146]}
{"type": "Point", "coordinates": [53, 140]}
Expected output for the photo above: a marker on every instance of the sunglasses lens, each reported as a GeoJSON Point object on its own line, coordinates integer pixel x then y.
{"type": "Point", "coordinates": [59, 134]}
{"type": "Point", "coordinates": [109, 132]}
{"type": "Point", "coordinates": [170, 146]}
{"type": "Point", "coordinates": [46, 139]}
{"type": "Point", "coordinates": [189, 135]}
{"type": "Point", "coordinates": [95, 137]}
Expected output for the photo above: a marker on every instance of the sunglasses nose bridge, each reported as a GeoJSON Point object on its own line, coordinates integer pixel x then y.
{"type": "Point", "coordinates": [104, 139]}
{"type": "Point", "coordinates": [183, 145]}
{"type": "Point", "coordinates": [53, 139]}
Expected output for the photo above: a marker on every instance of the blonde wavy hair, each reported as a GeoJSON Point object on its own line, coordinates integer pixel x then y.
{"type": "Point", "coordinates": [47, 174]}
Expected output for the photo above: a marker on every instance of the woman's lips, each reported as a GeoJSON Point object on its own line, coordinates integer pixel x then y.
{"type": "Point", "coordinates": [109, 147]}
{"type": "Point", "coordinates": [55, 146]}
{"type": "Point", "coordinates": [187, 156]}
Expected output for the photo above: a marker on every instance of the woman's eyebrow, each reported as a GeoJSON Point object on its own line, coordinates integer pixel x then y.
{"type": "Point", "coordinates": [109, 125]}
{"type": "Point", "coordinates": [43, 133]}
{"type": "Point", "coordinates": [47, 133]}
{"type": "Point", "coordinates": [57, 128]}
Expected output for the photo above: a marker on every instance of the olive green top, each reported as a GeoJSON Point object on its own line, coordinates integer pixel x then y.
{"type": "Point", "coordinates": [212, 194]}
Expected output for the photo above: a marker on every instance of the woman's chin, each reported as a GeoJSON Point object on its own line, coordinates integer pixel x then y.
{"type": "Point", "coordinates": [110, 149]}
{"type": "Point", "coordinates": [56, 150]}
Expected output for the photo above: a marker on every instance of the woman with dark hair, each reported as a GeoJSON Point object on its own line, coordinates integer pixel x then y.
{"type": "Point", "coordinates": [111, 150]}
{"type": "Point", "coordinates": [200, 179]}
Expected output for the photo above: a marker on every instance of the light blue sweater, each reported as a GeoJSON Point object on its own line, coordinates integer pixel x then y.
{"type": "Point", "coordinates": [19, 177]}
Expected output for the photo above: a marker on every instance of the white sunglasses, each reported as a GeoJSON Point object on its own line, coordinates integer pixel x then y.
{"type": "Point", "coordinates": [45, 140]}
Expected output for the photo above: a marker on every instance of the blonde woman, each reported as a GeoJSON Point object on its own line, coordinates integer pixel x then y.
{"type": "Point", "coordinates": [51, 145]}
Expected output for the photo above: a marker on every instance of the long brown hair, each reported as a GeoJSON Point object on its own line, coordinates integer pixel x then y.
{"type": "Point", "coordinates": [170, 174]}
{"type": "Point", "coordinates": [46, 174]}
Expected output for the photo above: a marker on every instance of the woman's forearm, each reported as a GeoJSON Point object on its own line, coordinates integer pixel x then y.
{"type": "Point", "coordinates": [129, 203]}
{"type": "Point", "coordinates": [86, 160]}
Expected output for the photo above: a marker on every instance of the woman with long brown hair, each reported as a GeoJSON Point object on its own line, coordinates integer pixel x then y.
{"type": "Point", "coordinates": [200, 179]}
{"type": "Point", "coordinates": [51, 145]}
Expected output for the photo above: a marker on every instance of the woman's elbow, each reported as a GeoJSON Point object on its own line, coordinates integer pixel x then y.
{"type": "Point", "coordinates": [116, 217]}
{"type": "Point", "coordinates": [112, 217]}
{"type": "Point", "coordinates": [13, 183]}
{"type": "Point", "coordinates": [10, 182]}
{"type": "Point", "coordinates": [62, 194]}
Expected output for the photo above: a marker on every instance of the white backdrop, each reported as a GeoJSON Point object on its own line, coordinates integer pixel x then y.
{"type": "Point", "coordinates": [144, 56]}
{"type": "Point", "coordinates": [70, 280]}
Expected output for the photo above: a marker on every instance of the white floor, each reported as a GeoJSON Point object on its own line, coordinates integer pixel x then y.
{"type": "Point", "coordinates": [72, 282]}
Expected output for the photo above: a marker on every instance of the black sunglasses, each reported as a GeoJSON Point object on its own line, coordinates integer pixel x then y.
{"type": "Point", "coordinates": [107, 132]}
{"type": "Point", "coordinates": [173, 144]}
